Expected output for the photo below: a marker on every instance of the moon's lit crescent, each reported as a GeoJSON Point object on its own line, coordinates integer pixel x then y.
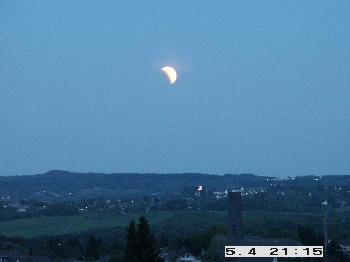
{"type": "Point", "coordinates": [171, 73]}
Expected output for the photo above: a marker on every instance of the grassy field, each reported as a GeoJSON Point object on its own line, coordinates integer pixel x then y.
{"type": "Point", "coordinates": [343, 209]}
{"type": "Point", "coordinates": [41, 226]}
{"type": "Point", "coordinates": [171, 222]}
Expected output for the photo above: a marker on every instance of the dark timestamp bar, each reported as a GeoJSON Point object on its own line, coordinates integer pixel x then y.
{"type": "Point", "coordinates": [273, 251]}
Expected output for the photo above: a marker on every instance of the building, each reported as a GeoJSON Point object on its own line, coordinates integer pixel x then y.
{"type": "Point", "coordinates": [9, 256]}
{"type": "Point", "coordinates": [344, 245]}
{"type": "Point", "coordinates": [187, 257]}
{"type": "Point", "coordinates": [234, 224]}
{"type": "Point", "coordinates": [14, 256]}
{"type": "Point", "coordinates": [235, 235]}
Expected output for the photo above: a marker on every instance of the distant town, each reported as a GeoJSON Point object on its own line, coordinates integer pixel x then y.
{"type": "Point", "coordinates": [82, 208]}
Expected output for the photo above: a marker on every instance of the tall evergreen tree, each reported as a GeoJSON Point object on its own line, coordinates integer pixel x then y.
{"type": "Point", "coordinates": [117, 251]}
{"type": "Point", "coordinates": [92, 248]}
{"type": "Point", "coordinates": [149, 253]}
{"type": "Point", "coordinates": [141, 244]}
{"type": "Point", "coordinates": [132, 243]}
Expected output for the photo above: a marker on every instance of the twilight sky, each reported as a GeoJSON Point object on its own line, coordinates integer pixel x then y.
{"type": "Point", "coordinates": [263, 87]}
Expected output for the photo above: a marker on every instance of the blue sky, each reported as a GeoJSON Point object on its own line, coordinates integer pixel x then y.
{"type": "Point", "coordinates": [262, 88]}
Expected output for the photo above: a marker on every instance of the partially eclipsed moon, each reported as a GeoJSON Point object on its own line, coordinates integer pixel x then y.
{"type": "Point", "coordinates": [171, 73]}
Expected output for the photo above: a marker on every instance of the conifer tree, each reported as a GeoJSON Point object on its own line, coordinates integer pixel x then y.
{"type": "Point", "coordinates": [141, 244]}
{"type": "Point", "coordinates": [131, 250]}
{"type": "Point", "coordinates": [92, 248]}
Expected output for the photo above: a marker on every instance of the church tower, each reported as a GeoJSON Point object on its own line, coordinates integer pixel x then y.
{"type": "Point", "coordinates": [234, 227]}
